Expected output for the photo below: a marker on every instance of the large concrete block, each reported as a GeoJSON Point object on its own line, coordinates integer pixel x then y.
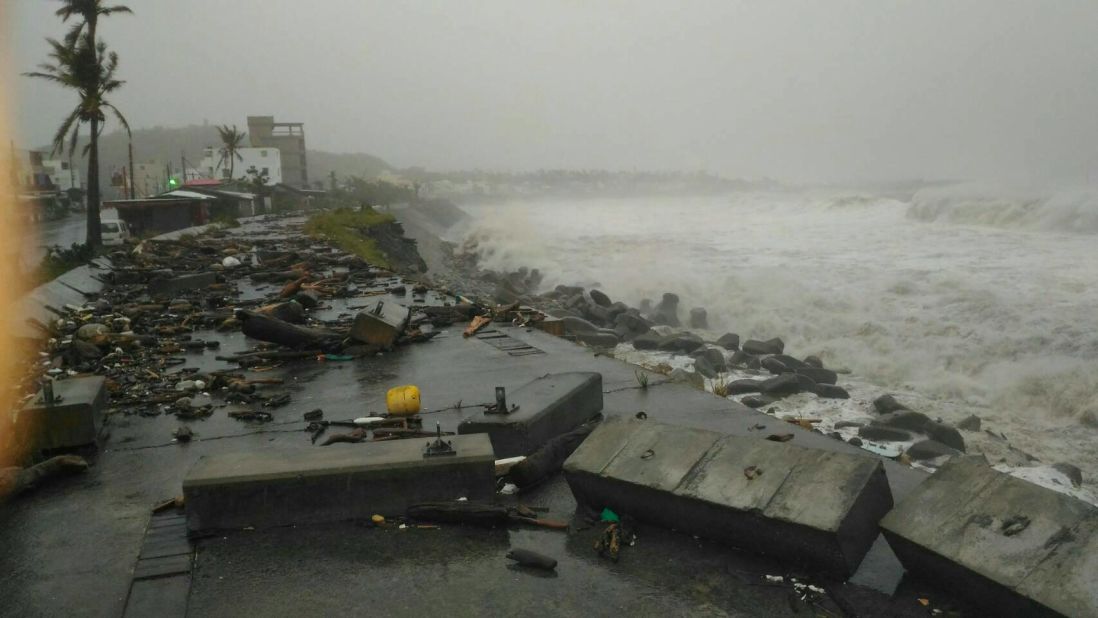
{"type": "Point", "coordinates": [182, 282]}
{"type": "Point", "coordinates": [381, 324]}
{"type": "Point", "coordinates": [73, 420]}
{"type": "Point", "coordinates": [297, 486]}
{"type": "Point", "coordinates": [547, 407]}
{"type": "Point", "coordinates": [1012, 547]}
{"type": "Point", "coordinates": [816, 508]}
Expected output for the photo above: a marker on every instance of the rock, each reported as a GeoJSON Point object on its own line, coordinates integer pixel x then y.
{"type": "Point", "coordinates": [846, 424]}
{"type": "Point", "coordinates": [600, 298]}
{"type": "Point", "coordinates": [945, 434]}
{"type": "Point", "coordinates": [757, 401]}
{"type": "Point", "coordinates": [774, 366]}
{"type": "Point", "coordinates": [645, 305]}
{"type": "Point", "coordinates": [599, 338]}
{"type": "Point", "coordinates": [753, 362]}
{"type": "Point", "coordinates": [575, 326]}
{"type": "Point", "coordinates": [770, 346]}
{"type": "Point", "coordinates": [598, 314]}
{"type": "Point", "coordinates": [565, 291]}
{"type": "Point", "coordinates": [930, 449]}
{"type": "Point", "coordinates": [790, 362]}
{"type": "Point", "coordinates": [830, 391]}
{"type": "Point", "coordinates": [699, 318]}
{"type": "Point", "coordinates": [855, 441]}
{"type": "Point", "coordinates": [904, 419]}
{"type": "Point", "coordinates": [690, 377]}
{"type": "Point", "coordinates": [887, 403]}
{"type": "Point", "coordinates": [91, 331]}
{"type": "Point", "coordinates": [647, 341]}
{"type": "Point", "coordinates": [85, 350]}
{"type": "Point", "coordinates": [740, 387]}
{"type": "Point", "coordinates": [813, 361]}
{"type": "Point", "coordinates": [183, 433]}
{"type": "Point", "coordinates": [1070, 471]}
{"type": "Point", "coordinates": [785, 384]}
{"type": "Point", "coordinates": [729, 341]}
{"type": "Point", "coordinates": [739, 359]}
{"type": "Point", "coordinates": [682, 342]}
{"type": "Point", "coordinates": [291, 311]}
{"type": "Point", "coordinates": [884, 433]}
{"type": "Point", "coordinates": [714, 356]}
{"type": "Point", "coordinates": [183, 403]}
{"type": "Point", "coordinates": [623, 332]}
{"type": "Point", "coordinates": [971, 423]}
{"type": "Point", "coordinates": [307, 299]}
{"type": "Point", "coordinates": [667, 312]}
{"type": "Point", "coordinates": [704, 367]}
{"type": "Point", "coordinates": [819, 376]}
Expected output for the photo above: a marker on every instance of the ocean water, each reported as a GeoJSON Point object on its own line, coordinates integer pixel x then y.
{"type": "Point", "coordinates": [958, 300]}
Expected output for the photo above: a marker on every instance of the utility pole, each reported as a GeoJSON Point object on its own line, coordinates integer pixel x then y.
{"type": "Point", "coordinates": [132, 178]}
{"type": "Point", "coordinates": [183, 164]}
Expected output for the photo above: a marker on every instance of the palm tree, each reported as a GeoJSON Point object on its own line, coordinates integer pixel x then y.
{"type": "Point", "coordinates": [231, 142]}
{"type": "Point", "coordinates": [89, 69]}
{"type": "Point", "coordinates": [89, 11]}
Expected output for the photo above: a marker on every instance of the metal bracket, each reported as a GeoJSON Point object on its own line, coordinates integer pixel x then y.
{"type": "Point", "coordinates": [500, 407]}
{"type": "Point", "coordinates": [440, 447]}
{"type": "Point", "coordinates": [377, 309]}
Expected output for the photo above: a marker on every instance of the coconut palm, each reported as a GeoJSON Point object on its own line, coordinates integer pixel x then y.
{"type": "Point", "coordinates": [89, 69]}
{"type": "Point", "coordinates": [89, 11]}
{"type": "Point", "coordinates": [232, 141]}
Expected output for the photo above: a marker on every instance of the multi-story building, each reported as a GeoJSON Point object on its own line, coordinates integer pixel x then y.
{"type": "Point", "coordinates": [266, 161]}
{"type": "Point", "coordinates": [289, 139]}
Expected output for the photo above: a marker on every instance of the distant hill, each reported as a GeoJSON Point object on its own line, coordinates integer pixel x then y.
{"type": "Point", "coordinates": [168, 144]}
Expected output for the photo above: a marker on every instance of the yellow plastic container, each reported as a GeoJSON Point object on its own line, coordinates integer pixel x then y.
{"type": "Point", "coordinates": [403, 400]}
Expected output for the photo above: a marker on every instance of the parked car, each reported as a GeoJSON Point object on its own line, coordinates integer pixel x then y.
{"type": "Point", "coordinates": [114, 232]}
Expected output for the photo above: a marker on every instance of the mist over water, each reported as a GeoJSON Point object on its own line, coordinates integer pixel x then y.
{"type": "Point", "coordinates": [970, 303]}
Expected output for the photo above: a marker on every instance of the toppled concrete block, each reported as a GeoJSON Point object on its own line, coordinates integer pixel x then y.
{"type": "Point", "coordinates": [1012, 547]}
{"type": "Point", "coordinates": [297, 486]}
{"type": "Point", "coordinates": [381, 324]}
{"type": "Point", "coordinates": [815, 508]}
{"type": "Point", "coordinates": [183, 282]}
{"type": "Point", "coordinates": [547, 407]}
{"type": "Point", "coordinates": [72, 420]}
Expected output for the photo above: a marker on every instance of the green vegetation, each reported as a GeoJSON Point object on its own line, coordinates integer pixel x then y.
{"type": "Point", "coordinates": [59, 261]}
{"type": "Point", "coordinates": [642, 378]}
{"type": "Point", "coordinates": [347, 229]}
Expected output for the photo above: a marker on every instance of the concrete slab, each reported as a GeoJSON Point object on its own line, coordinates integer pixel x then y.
{"type": "Point", "coordinates": [308, 485]}
{"type": "Point", "coordinates": [547, 407]}
{"type": "Point", "coordinates": [815, 508]}
{"type": "Point", "coordinates": [74, 420]}
{"type": "Point", "coordinates": [1010, 546]}
{"type": "Point", "coordinates": [381, 323]}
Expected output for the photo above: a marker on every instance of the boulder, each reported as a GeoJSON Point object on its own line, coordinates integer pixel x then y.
{"type": "Point", "coordinates": [308, 299]}
{"type": "Point", "coordinates": [930, 449]}
{"type": "Point", "coordinates": [667, 311]}
{"type": "Point", "coordinates": [598, 338]}
{"type": "Point", "coordinates": [830, 391]}
{"type": "Point", "coordinates": [904, 419]}
{"type": "Point", "coordinates": [682, 342]}
{"type": "Point", "coordinates": [599, 298]}
{"type": "Point", "coordinates": [774, 366]}
{"type": "Point", "coordinates": [712, 356]}
{"type": "Point", "coordinates": [92, 331]}
{"type": "Point", "coordinates": [85, 350]}
{"type": "Point", "coordinates": [813, 361]}
{"type": "Point", "coordinates": [647, 341]}
{"type": "Point", "coordinates": [575, 326]}
{"type": "Point", "coordinates": [846, 424]}
{"type": "Point", "coordinates": [704, 367]}
{"type": "Point", "coordinates": [729, 341]}
{"type": "Point", "coordinates": [740, 387]}
{"type": "Point", "coordinates": [887, 403]}
{"type": "Point", "coordinates": [819, 376]}
{"type": "Point", "coordinates": [645, 305]}
{"type": "Point", "coordinates": [884, 433]}
{"type": "Point", "coordinates": [945, 434]}
{"type": "Point", "coordinates": [598, 314]}
{"type": "Point", "coordinates": [785, 384]}
{"type": "Point", "coordinates": [770, 346]}
{"type": "Point", "coordinates": [970, 423]}
{"type": "Point", "coordinates": [790, 362]}
{"type": "Point", "coordinates": [1071, 471]}
{"type": "Point", "coordinates": [757, 401]}
{"type": "Point", "coordinates": [699, 318]}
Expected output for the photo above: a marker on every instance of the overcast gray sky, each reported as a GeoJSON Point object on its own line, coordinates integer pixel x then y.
{"type": "Point", "coordinates": [813, 90]}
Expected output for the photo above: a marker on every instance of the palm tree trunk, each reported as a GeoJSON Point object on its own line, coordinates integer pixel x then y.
{"type": "Point", "coordinates": [95, 235]}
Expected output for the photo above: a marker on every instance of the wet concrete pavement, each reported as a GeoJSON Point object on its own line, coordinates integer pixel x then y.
{"type": "Point", "coordinates": [70, 548]}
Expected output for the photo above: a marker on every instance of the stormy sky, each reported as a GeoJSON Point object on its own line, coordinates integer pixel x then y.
{"type": "Point", "coordinates": [805, 91]}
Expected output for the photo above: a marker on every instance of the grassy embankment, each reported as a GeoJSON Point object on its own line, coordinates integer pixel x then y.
{"type": "Point", "coordinates": [347, 229]}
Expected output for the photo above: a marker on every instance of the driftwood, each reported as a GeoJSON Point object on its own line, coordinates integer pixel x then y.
{"type": "Point", "coordinates": [264, 328]}
{"type": "Point", "coordinates": [14, 481]}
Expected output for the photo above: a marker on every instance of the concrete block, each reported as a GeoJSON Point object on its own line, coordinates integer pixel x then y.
{"type": "Point", "coordinates": [553, 326]}
{"type": "Point", "coordinates": [1011, 547]}
{"type": "Point", "coordinates": [72, 421]}
{"type": "Point", "coordinates": [815, 508]}
{"type": "Point", "coordinates": [381, 324]}
{"type": "Point", "coordinates": [182, 282]}
{"type": "Point", "coordinates": [547, 407]}
{"type": "Point", "coordinates": [297, 486]}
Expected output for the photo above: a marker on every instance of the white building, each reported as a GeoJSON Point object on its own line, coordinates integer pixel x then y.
{"type": "Point", "coordinates": [62, 175]}
{"type": "Point", "coordinates": [215, 164]}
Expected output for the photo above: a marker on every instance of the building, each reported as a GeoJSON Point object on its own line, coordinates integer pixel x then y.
{"type": "Point", "coordinates": [266, 161]}
{"type": "Point", "coordinates": [158, 215]}
{"type": "Point", "coordinates": [289, 139]}
{"type": "Point", "coordinates": [62, 174]}
{"type": "Point", "coordinates": [150, 178]}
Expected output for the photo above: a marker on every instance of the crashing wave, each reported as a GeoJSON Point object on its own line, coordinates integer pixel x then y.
{"type": "Point", "coordinates": [1064, 211]}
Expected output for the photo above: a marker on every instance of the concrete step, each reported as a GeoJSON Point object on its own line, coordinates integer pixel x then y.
{"type": "Point", "coordinates": [549, 406]}
{"type": "Point", "coordinates": [73, 420]}
{"type": "Point", "coordinates": [1011, 547]}
{"type": "Point", "coordinates": [340, 482]}
{"type": "Point", "coordinates": [809, 507]}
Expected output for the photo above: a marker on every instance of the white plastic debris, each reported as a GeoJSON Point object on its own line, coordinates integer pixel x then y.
{"type": "Point", "coordinates": [509, 489]}
{"type": "Point", "coordinates": [368, 420]}
{"type": "Point", "coordinates": [775, 579]}
{"type": "Point", "coordinates": [230, 262]}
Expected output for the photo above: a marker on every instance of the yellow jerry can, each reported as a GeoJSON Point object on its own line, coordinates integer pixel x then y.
{"type": "Point", "coordinates": [403, 400]}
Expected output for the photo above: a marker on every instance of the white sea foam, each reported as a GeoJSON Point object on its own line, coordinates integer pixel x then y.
{"type": "Point", "coordinates": [992, 314]}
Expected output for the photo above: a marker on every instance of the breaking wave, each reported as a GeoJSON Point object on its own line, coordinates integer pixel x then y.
{"type": "Point", "coordinates": [1064, 211]}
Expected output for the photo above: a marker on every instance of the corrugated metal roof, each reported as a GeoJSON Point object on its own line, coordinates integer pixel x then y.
{"type": "Point", "coordinates": [194, 195]}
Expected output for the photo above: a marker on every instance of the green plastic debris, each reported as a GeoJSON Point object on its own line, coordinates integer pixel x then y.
{"type": "Point", "coordinates": [338, 357]}
{"type": "Point", "coordinates": [609, 516]}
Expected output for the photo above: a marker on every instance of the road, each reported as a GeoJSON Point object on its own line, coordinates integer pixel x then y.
{"type": "Point", "coordinates": [63, 232]}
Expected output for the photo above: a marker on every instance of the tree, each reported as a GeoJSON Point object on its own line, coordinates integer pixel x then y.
{"type": "Point", "coordinates": [231, 142]}
{"type": "Point", "coordinates": [84, 65]}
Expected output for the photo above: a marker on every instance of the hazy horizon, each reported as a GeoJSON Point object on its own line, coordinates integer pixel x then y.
{"type": "Point", "coordinates": [798, 91]}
